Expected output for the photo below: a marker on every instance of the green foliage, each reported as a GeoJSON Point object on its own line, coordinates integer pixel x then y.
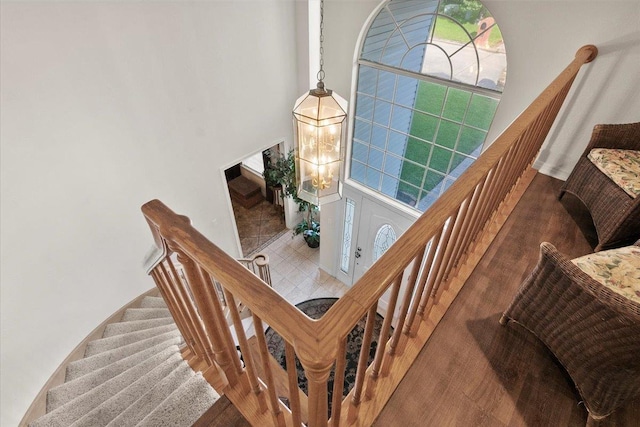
{"type": "Point", "coordinates": [310, 231]}
{"type": "Point", "coordinates": [465, 11]}
{"type": "Point", "coordinates": [282, 171]}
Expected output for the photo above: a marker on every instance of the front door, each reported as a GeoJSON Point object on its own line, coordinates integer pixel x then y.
{"type": "Point", "coordinates": [370, 227]}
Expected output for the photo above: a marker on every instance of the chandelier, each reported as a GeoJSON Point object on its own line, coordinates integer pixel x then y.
{"type": "Point", "coordinates": [319, 125]}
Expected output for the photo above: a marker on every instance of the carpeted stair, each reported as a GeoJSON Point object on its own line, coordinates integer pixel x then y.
{"type": "Point", "coordinates": [133, 376]}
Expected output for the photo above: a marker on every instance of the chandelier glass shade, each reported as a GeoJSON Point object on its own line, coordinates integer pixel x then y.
{"type": "Point", "coordinates": [319, 132]}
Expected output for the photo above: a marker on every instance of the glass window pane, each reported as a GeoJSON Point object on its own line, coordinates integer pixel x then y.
{"type": "Point", "coordinates": [397, 143]}
{"type": "Point", "coordinates": [430, 97]}
{"type": "Point", "coordinates": [471, 141]}
{"type": "Point", "coordinates": [459, 164]}
{"type": "Point", "coordinates": [401, 119]}
{"type": "Point", "coordinates": [389, 186]}
{"type": "Point", "coordinates": [364, 106]}
{"type": "Point", "coordinates": [382, 113]}
{"type": "Point", "coordinates": [440, 159]}
{"type": "Point", "coordinates": [465, 65]}
{"type": "Point", "coordinates": [447, 134]}
{"type": "Point", "coordinates": [407, 193]}
{"type": "Point", "coordinates": [357, 171]}
{"type": "Point", "coordinates": [375, 158]}
{"type": "Point", "coordinates": [424, 126]}
{"type": "Point", "coordinates": [436, 63]}
{"type": "Point", "coordinates": [367, 80]}
{"type": "Point", "coordinates": [379, 136]}
{"type": "Point", "coordinates": [362, 130]}
{"type": "Point", "coordinates": [432, 180]}
{"type": "Point", "coordinates": [418, 150]}
{"type": "Point", "coordinates": [385, 237]}
{"type": "Point", "coordinates": [456, 104]}
{"type": "Point", "coordinates": [412, 173]}
{"type": "Point", "coordinates": [392, 165]}
{"type": "Point", "coordinates": [373, 178]}
{"type": "Point", "coordinates": [360, 152]}
{"type": "Point", "coordinates": [481, 111]}
{"type": "Point", "coordinates": [386, 85]}
{"type": "Point", "coordinates": [406, 91]}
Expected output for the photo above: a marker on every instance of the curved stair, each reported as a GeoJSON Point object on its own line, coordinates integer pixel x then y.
{"type": "Point", "coordinates": [133, 376]}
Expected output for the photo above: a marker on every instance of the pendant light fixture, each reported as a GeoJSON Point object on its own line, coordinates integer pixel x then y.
{"type": "Point", "coordinates": [319, 123]}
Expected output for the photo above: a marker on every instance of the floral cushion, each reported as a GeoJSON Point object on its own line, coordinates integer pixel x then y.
{"type": "Point", "coordinates": [622, 166]}
{"type": "Point", "coordinates": [617, 269]}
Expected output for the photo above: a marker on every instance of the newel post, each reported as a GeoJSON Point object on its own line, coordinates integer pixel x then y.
{"type": "Point", "coordinates": [317, 375]}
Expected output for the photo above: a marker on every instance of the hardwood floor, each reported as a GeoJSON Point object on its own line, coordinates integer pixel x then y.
{"type": "Point", "coordinates": [474, 372]}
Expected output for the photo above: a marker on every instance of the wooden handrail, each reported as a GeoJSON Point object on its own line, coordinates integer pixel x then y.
{"type": "Point", "coordinates": [426, 267]}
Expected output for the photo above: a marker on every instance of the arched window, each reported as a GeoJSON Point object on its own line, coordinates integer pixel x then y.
{"type": "Point", "coordinates": [430, 75]}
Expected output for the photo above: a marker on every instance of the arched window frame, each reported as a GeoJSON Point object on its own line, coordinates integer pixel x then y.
{"type": "Point", "coordinates": [423, 189]}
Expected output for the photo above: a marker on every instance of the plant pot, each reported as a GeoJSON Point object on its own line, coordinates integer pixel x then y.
{"type": "Point", "coordinates": [312, 243]}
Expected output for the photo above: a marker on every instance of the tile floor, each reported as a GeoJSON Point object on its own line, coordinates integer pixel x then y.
{"type": "Point", "coordinates": [257, 225]}
{"type": "Point", "coordinates": [295, 273]}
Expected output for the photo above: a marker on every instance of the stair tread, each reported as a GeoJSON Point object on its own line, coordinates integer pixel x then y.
{"type": "Point", "coordinates": [144, 313]}
{"type": "Point", "coordinates": [172, 412]}
{"type": "Point", "coordinates": [110, 343]}
{"type": "Point", "coordinates": [101, 415]}
{"type": "Point", "coordinates": [131, 416]}
{"type": "Point", "coordinates": [153, 302]}
{"type": "Point", "coordinates": [79, 368]}
{"type": "Point", "coordinates": [120, 328]}
{"type": "Point", "coordinates": [138, 363]}
{"type": "Point", "coordinates": [78, 407]}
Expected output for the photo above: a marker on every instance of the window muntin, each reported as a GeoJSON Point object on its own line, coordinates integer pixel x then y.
{"type": "Point", "coordinates": [424, 105]}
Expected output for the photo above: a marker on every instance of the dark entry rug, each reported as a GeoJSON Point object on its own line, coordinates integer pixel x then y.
{"type": "Point", "coordinates": [315, 308]}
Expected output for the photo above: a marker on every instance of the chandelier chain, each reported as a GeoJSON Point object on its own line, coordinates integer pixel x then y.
{"type": "Point", "coordinates": [321, 72]}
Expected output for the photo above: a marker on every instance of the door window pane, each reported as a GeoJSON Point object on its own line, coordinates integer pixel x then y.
{"type": "Point", "coordinates": [385, 237]}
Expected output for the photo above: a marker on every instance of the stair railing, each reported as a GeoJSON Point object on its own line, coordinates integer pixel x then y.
{"type": "Point", "coordinates": [423, 272]}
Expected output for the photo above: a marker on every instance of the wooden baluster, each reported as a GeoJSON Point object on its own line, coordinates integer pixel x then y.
{"type": "Point", "coordinates": [219, 320]}
{"type": "Point", "coordinates": [384, 337]}
{"type": "Point", "coordinates": [465, 233]}
{"type": "Point", "coordinates": [294, 390]}
{"type": "Point", "coordinates": [455, 238]}
{"type": "Point", "coordinates": [410, 327]}
{"type": "Point", "coordinates": [174, 308]}
{"type": "Point", "coordinates": [274, 405]}
{"type": "Point", "coordinates": [438, 268]}
{"type": "Point", "coordinates": [404, 307]}
{"type": "Point", "coordinates": [244, 346]}
{"type": "Point", "coordinates": [212, 327]}
{"type": "Point", "coordinates": [338, 383]}
{"type": "Point", "coordinates": [363, 361]}
{"type": "Point", "coordinates": [485, 213]}
{"type": "Point", "coordinates": [194, 320]}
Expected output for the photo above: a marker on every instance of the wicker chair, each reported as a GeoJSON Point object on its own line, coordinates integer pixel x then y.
{"type": "Point", "coordinates": [615, 214]}
{"type": "Point", "coordinates": [593, 331]}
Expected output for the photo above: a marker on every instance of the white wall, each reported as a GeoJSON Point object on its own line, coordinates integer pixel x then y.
{"type": "Point", "coordinates": [541, 39]}
{"type": "Point", "coordinates": [106, 105]}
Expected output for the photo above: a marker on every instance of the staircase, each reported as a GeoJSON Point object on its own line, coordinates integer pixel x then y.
{"type": "Point", "coordinates": [133, 376]}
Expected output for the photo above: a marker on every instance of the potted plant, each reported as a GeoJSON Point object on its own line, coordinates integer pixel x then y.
{"type": "Point", "coordinates": [308, 227]}
{"type": "Point", "coordinates": [282, 171]}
